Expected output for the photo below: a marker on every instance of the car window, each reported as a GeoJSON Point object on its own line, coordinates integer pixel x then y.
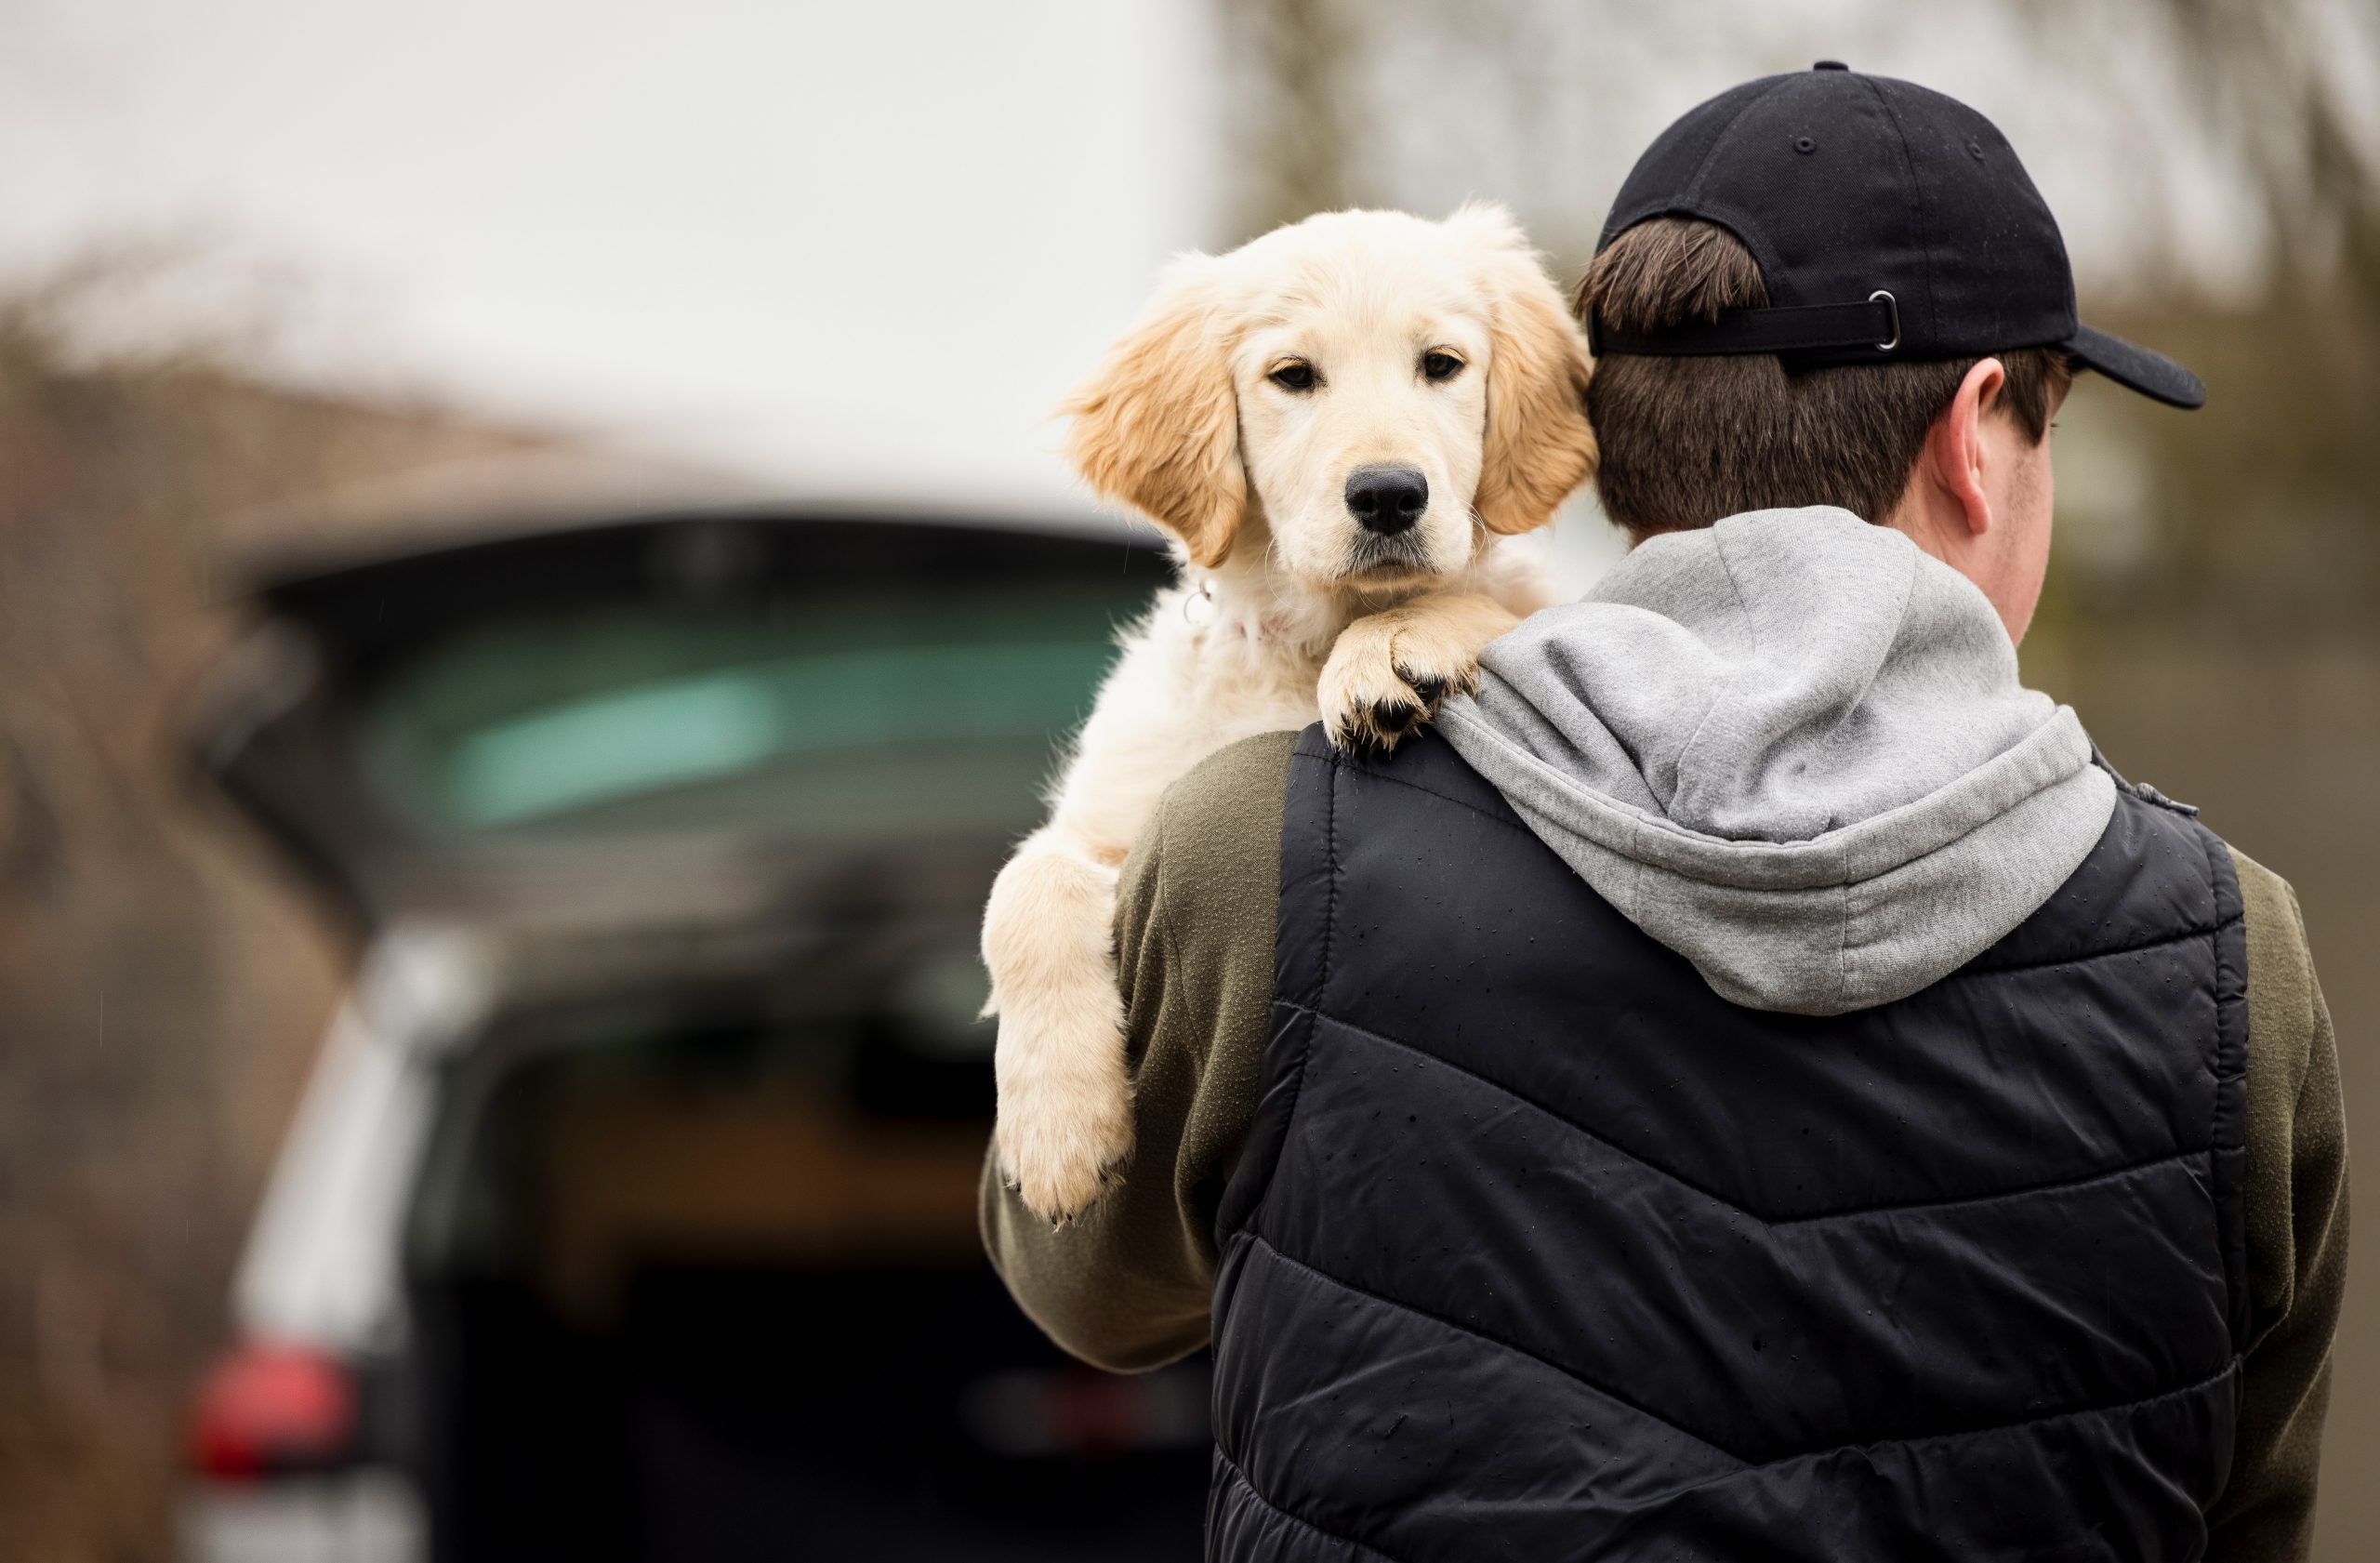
{"type": "Point", "coordinates": [871, 716]}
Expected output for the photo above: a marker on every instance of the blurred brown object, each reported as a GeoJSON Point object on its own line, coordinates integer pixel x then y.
{"type": "Point", "coordinates": [631, 1175]}
{"type": "Point", "coordinates": [159, 998]}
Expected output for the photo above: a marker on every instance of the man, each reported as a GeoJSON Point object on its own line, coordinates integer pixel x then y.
{"type": "Point", "coordinates": [1752, 1082]}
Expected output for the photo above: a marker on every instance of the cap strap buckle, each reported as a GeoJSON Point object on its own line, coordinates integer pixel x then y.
{"type": "Point", "coordinates": [1892, 305]}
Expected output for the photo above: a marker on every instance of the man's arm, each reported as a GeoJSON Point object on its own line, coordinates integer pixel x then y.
{"type": "Point", "coordinates": [1127, 1286]}
{"type": "Point", "coordinates": [2295, 1198]}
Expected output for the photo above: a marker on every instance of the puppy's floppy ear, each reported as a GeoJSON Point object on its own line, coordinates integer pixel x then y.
{"type": "Point", "coordinates": [1539, 445]}
{"type": "Point", "coordinates": [1157, 426]}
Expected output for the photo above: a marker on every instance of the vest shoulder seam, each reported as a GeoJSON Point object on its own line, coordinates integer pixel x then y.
{"type": "Point", "coordinates": [2227, 1131]}
{"type": "Point", "coordinates": [1488, 814]}
{"type": "Point", "coordinates": [2103, 1174]}
{"type": "Point", "coordinates": [1321, 981]}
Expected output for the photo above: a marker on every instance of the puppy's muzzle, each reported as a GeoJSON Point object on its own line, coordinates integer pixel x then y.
{"type": "Point", "coordinates": [1387, 501]}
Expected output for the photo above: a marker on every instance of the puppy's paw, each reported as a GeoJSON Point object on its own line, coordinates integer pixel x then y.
{"type": "Point", "coordinates": [1382, 684]}
{"type": "Point", "coordinates": [1064, 1126]}
{"type": "Point", "coordinates": [1066, 1101]}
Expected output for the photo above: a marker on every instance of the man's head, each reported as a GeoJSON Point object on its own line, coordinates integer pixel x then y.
{"type": "Point", "coordinates": [1828, 288]}
{"type": "Point", "coordinates": [1954, 451]}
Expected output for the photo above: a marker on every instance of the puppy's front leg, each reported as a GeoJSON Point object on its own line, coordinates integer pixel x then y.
{"type": "Point", "coordinates": [1065, 1099]}
{"type": "Point", "coordinates": [1390, 670]}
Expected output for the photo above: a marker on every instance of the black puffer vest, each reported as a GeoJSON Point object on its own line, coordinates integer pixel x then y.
{"type": "Point", "coordinates": [1540, 1250]}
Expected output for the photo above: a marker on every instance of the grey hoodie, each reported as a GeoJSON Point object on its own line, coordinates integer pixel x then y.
{"type": "Point", "coordinates": [1793, 747]}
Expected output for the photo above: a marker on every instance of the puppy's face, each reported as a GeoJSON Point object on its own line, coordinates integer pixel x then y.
{"type": "Point", "coordinates": [1361, 376]}
{"type": "Point", "coordinates": [1377, 388]}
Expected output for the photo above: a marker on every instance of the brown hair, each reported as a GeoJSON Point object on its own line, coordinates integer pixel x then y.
{"type": "Point", "coordinates": [1687, 441]}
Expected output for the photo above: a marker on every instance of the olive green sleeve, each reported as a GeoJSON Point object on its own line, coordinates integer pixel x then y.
{"type": "Point", "coordinates": [2294, 1193]}
{"type": "Point", "coordinates": [1127, 1284]}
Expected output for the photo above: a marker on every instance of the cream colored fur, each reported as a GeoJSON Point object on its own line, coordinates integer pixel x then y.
{"type": "Point", "coordinates": [1285, 609]}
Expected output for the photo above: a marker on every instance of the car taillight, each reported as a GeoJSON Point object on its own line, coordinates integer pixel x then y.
{"type": "Point", "coordinates": [1032, 1412]}
{"type": "Point", "coordinates": [269, 1408]}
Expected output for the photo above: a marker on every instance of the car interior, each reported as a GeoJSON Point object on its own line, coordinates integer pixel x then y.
{"type": "Point", "coordinates": [691, 1279]}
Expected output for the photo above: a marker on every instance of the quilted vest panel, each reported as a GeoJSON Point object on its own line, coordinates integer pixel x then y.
{"type": "Point", "coordinates": [1538, 1248]}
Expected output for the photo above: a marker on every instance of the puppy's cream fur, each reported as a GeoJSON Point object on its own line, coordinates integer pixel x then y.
{"type": "Point", "coordinates": [1287, 608]}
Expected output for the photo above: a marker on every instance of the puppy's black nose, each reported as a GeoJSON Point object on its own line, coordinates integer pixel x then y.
{"type": "Point", "coordinates": [1387, 499]}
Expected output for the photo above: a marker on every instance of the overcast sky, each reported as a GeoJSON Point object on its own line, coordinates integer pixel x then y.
{"type": "Point", "coordinates": [851, 245]}
{"type": "Point", "coordinates": [840, 247]}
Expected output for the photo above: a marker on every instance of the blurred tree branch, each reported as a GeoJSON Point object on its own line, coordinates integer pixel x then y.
{"type": "Point", "coordinates": [2283, 80]}
{"type": "Point", "coordinates": [1292, 71]}
{"type": "Point", "coordinates": [158, 998]}
{"type": "Point", "coordinates": [1332, 102]}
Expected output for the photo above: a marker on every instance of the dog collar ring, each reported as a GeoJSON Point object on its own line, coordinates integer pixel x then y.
{"type": "Point", "coordinates": [1199, 608]}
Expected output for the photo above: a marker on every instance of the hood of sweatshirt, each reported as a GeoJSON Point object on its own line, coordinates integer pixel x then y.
{"type": "Point", "coordinates": [1793, 747]}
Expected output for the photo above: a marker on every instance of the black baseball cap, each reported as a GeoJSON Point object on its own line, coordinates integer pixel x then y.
{"type": "Point", "coordinates": [1890, 222]}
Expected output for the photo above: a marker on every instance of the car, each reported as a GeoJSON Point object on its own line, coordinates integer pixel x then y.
{"type": "Point", "coordinates": [631, 1210]}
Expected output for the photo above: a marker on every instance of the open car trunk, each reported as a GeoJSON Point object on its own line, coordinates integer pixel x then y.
{"type": "Point", "coordinates": [690, 1283]}
{"type": "Point", "coordinates": [633, 720]}
{"type": "Point", "coordinates": [686, 1250]}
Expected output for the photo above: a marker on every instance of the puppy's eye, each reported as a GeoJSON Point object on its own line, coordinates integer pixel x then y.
{"type": "Point", "coordinates": [1440, 367]}
{"type": "Point", "coordinates": [1293, 376]}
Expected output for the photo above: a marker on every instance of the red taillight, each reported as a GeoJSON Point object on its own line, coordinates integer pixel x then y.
{"type": "Point", "coordinates": [1093, 1413]}
{"type": "Point", "coordinates": [267, 1408]}
{"type": "Point", "coordinates": [1030, 1413]}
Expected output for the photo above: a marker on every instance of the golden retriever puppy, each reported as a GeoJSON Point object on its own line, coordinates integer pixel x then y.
{"type": "Point", "coordinates": [1336, 424]}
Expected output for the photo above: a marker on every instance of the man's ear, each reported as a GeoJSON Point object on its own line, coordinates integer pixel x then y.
{"type": "Point", "coordinates": [1954, 446]}
{"type": "Point", "coordinates": [1157, 426]}
{"type": "Point", "coordinates": [1539, 445]}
